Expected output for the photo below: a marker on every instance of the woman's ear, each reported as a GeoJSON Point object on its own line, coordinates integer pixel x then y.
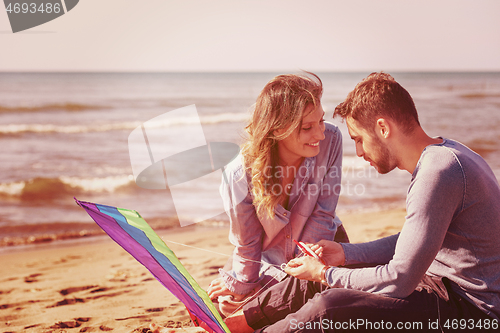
{"type": "Point", "coordinates": [279, 132]}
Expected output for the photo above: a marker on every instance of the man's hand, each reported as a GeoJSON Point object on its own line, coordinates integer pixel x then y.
{"type": "Point", "coordinates": [305, 268]}
{"type": "Point", "coordinates": [218, 288]}
{"type": "Point", "coordinates": [331, 252]}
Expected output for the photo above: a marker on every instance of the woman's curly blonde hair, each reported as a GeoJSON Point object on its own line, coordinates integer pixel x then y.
{"type": "Point", "coordinates": [280, 105]}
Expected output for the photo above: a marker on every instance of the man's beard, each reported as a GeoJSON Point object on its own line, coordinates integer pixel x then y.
{"type": "Point", "coordinates": [383, 162]}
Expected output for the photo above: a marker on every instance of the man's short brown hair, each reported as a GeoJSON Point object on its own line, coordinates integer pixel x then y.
{"type": "Point", "coordinates": [379, 95]}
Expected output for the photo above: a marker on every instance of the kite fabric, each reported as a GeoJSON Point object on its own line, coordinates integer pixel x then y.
{"type": "Point", "coordinates": [131, 231]}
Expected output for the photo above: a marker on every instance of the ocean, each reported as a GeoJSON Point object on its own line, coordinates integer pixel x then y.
{"type": "Point", "coordinates": [65, 135]}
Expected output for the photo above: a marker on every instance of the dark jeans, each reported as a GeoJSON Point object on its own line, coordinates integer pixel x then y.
{"type": "Point", "coordinates": [302, 306]}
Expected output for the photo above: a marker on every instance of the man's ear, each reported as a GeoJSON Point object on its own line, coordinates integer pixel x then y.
{"type": "Point", "coordinates": [383, 128]}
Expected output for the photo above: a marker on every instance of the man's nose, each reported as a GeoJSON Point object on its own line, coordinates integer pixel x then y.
{"type": "Point", "coordinates": [359, 150]}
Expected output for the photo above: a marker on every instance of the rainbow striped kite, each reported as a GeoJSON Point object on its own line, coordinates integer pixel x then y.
{"type": "Point", "coordinates": [131, 231]}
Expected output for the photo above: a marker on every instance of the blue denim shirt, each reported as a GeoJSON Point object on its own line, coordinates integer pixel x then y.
{"type": "Point", "coordinates": [311, 217]}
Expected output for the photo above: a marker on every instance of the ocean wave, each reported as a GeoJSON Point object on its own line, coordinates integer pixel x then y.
{"type": "Point", "coordinates": [66, 129]}
{"type": "Point", "coordinates": [70, 107]}
{"type": "Point", "coordinates": [480, 95]}
{"type": "Point", "coordinates": [352, 163]}
{"type": "Point", "coordinates": [15, 129]}
{"type": "Point", "coordinates": [43, 189]}
{"type": "Point", "coordinates": [41, 233]}
{"type": "Point", "coordinates": [484, 147]}
{"type": "Point", "coordinates": [225, 118]}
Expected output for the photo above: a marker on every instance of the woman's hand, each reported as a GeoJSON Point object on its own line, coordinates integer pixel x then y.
{"type": "Point", "coordinates": [305, 268]}
{"type": "Point", "coordinates": [331, 252]}
{"type": "Point", "coordinates": [218, 288]}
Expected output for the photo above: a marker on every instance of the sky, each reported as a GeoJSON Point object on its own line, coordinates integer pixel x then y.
{"type": "Point", "coordinates": [260, 35]}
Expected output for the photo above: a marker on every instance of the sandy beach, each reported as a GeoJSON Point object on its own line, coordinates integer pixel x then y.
{"type": "Point", "coordinates": [93, 285]}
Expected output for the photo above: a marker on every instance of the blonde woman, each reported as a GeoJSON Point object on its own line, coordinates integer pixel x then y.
{"type": "Point", "coordinates": [289, 173]}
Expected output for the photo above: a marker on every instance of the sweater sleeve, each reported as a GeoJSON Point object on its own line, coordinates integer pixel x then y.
{"type": "Point", "coordinates": [379, 251]}
{"type": "Point", "coordinates": [434, 197]}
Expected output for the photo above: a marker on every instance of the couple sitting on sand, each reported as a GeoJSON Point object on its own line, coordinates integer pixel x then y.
{"type": "Point", "coordinates": [441, 272]}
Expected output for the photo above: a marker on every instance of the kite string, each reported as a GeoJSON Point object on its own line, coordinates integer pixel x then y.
{"type": "Point", "coordinates": [222, 254]}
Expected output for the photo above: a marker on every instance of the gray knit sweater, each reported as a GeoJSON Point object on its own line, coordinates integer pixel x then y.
{"type": "Point", "coordinates": [452, 230]}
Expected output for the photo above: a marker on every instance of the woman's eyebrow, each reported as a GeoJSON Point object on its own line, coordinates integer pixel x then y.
{"type": "Point", "coordinates": [310, 122]}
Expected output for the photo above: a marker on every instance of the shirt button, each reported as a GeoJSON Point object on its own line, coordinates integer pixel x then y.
{"type": "Point", "coordinates": [284, 214]}
{"type": "Point", "coordinates": [288, 236]}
